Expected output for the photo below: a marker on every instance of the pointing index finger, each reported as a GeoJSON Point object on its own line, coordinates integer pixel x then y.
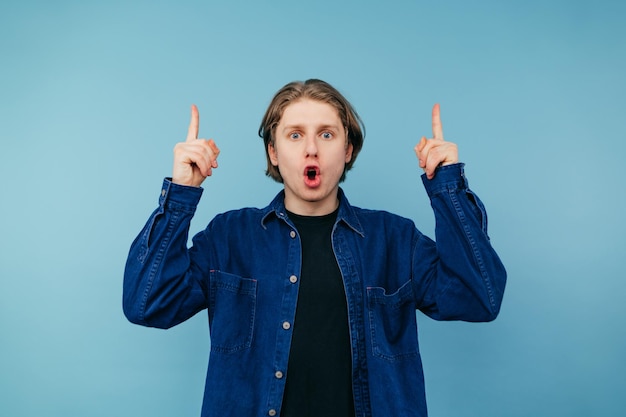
{"type": "Point", "coordinates": [437, 127]}
{"type": "Point", "coordinates": [194, 124]}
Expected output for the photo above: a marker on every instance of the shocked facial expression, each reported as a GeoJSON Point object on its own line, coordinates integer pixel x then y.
{"type": "Point", "coordinates": [310, 150]}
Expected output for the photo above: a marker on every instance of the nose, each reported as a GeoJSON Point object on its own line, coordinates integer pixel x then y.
{"type": "Point", "coordinates": [311, 146]}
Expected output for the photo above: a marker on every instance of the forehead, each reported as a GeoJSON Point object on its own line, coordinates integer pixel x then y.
{"type": "Point", "coordinates": [310, 112]}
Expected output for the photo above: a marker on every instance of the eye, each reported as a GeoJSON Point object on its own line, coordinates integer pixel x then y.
{"type": "Point", "coordinates": [327, 135]}
{"type": "Point", "coordinates": [294, 135]}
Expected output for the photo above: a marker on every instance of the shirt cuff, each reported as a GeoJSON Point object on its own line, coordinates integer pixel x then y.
{"type": "Point", "coordinates": [181, 196]}
{"type": "Point", "coordinates": [449, 177]}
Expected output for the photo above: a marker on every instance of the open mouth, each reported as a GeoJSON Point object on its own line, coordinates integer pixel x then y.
{"type": "Point", "coordinates": [312, 176]}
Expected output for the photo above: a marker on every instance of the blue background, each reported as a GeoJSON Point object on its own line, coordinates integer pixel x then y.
{"type": "Point", "coordinates": [94, 95]}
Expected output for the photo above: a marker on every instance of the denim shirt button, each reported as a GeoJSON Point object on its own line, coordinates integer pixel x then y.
{"type": "Point", "coordinates": [278, 375]}
{"type": "Point", "coordinates": [293, 279]}
{"type": "Point", "coordinates": [292, 234]}
{"type": "Point", "coordinates": [286, 325]}
{"type": "Point", "coordinates": [163, 192]}
{"type": "Point", "coordinates": [271, 413]}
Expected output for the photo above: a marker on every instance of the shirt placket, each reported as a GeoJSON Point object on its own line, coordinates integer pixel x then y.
{"type": "Point", "coordinates": [291, 277]}
{"type": "Point", "coordinates": [352, 286]}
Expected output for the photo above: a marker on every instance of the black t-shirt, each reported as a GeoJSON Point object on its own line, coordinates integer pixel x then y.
{"type": "Point", "coordinates": [319, 373]}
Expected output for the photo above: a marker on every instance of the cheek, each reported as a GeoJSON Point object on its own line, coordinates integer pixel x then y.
{"type": "Point", "coordinates": [339, 165]}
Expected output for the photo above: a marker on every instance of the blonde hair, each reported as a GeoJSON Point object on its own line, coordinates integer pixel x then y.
{"type": "Point", "coordinates": [315, 90]}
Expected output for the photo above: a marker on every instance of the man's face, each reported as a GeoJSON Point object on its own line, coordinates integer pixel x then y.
{"type": "Point", "coordinates": [310, 150]}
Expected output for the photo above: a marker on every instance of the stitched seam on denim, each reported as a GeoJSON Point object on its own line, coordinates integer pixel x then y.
{"type": "Point", "coordinates": [481, 209]}
{"type": "Point", "coordinates": [248, 340]}
{"type": "Point", "coordinates": [345, 260]}
{"type": "Point", "coordinates": [250, 293]}
{"type": "Point", "coordinates": [389, 301]}
{"type": "Point", "coordinates": [178, 206]}
{"type": "Point", "coordinates": [157, 262]}
{"type": "Point", "coordinates": [379, 352]}
{"type": "Point", "coordinates": [235, 288]}
{"type": "Point", "coordinates": [145, 237]}
{"type": "Point", "coordinates": [472, 242]}
{"type": "Point", "coordinates": [442, 188]}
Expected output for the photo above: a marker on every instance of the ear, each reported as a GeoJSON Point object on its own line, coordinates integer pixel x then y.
{"type": "Point", "coordinates": [349, 149]}
{"type": "Point", "coordinates": [271, 151]}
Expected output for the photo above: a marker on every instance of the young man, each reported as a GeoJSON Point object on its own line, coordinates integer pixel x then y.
{"type": "Point", "coordinates": [311, 301]}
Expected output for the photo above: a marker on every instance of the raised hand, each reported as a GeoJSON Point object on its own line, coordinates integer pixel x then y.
{"type": "Point", "coordinates": [194, 159]}
{"type": "Point", "coordinates": [435, 152]}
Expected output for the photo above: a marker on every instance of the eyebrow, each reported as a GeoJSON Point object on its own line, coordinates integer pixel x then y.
{"type": "Point", "coordinates": [322, 127]}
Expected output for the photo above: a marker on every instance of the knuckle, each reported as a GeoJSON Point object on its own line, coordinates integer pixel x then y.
{"type": "Point", "coordinates": [179, 148]}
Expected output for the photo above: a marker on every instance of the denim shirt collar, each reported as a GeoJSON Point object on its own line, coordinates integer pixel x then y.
{"type": "Point", "coordinates": [345, 215]}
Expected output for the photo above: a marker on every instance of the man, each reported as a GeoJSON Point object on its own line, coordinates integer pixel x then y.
{"type": "Point", "coordinates": [311, 301]}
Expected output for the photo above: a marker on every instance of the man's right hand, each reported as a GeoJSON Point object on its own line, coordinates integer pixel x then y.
{"type": "Point", "coordinates": [194, 159]}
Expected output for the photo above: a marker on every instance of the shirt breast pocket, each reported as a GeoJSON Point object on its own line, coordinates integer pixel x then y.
{"type": "Point", "coordinates": [232, 309]}
{"type": "Point", "coordinates": [393, 325]}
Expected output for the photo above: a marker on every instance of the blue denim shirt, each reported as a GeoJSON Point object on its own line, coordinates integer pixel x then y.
{"type": "Point", "coordinates": [244, 269]}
